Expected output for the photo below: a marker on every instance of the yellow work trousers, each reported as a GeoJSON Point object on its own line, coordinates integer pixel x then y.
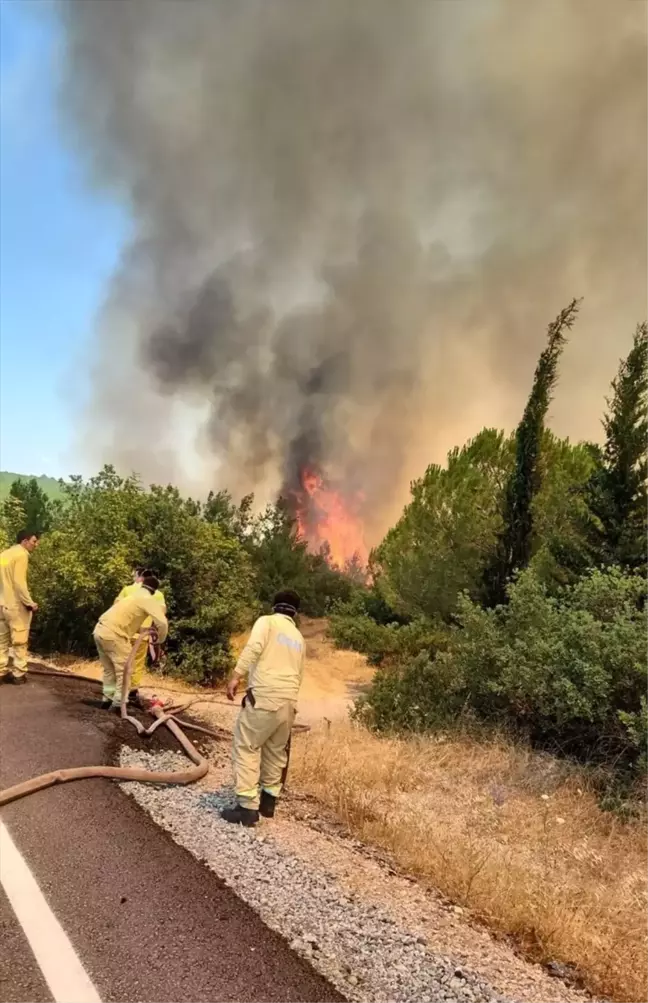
{"type": "Point", "coordinates": [15, 622]}
{"type": "Point", "coordinates": [113, 653]}
{"type": "Point", "coordinates": [259, 754]}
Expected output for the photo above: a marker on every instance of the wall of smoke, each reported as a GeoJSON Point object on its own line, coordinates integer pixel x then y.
{"type": "Point", "coordinates": [351, 224]}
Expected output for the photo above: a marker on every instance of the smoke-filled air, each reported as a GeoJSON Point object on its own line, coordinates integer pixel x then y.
{"type": "Point", "coordinates": [350, 226]}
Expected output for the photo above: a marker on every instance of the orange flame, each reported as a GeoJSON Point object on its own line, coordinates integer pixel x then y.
{"type": "Point", "coordinates": [325, 518]}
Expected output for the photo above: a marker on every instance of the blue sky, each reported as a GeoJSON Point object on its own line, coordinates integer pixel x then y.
{"type": "Point", "coordinates": [59, 243]}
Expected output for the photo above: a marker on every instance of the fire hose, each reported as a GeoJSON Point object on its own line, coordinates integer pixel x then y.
{"type": "Point", "coordinates": [189, 776]}
{"type": "Point", "coordinates": [162, 715]}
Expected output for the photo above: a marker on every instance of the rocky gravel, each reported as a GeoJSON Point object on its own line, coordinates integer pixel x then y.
{"type": "Point", "coordinates": [356, 945]}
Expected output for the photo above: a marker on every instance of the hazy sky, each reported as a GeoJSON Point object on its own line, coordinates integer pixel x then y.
{"type": "Point", "coordinates": [513, 129]}
{"type": "Point", "coordinates": [58, 245]}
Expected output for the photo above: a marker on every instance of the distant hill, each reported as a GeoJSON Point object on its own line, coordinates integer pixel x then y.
{"type": "Point", "coordinates": [49, 485]}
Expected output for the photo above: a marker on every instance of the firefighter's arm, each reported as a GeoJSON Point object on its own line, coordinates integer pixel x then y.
{"type": "Point", "coordinates": [156, 612]}
{"type": "Point", "coordinates": [250, 655]}
{"type": "Point", "coordinates": [20, 581]}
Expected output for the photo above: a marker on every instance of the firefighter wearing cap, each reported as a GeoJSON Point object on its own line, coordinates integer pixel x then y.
{"type": "Point", "coordinates": [139, 662]}
{"type": "Point", "coordinates": [273, 660]}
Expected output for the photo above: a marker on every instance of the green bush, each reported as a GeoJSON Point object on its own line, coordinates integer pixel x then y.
{"type": "Point", "coordinates": [107, 525]}
{"type": "Point", "coordinates": [361, 633]}
{"type": "Point", "coordinates": [365, 622]}
{"type": "Point", "coordinates": [569, 669]}
{"type": "Point", "coordinates": [419, 696]}
{"type": "Point", "coordinates": [352, 627]}
{"type": "Point", "coordinates": [636, 725]}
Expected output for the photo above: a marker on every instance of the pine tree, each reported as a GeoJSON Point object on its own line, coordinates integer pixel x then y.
{"type": "Point", "coordinates": [36, 504]}
{"type": "Point", "coordinates": [617, 491]}
{"type": "Point", "coordinates": [513, 551]}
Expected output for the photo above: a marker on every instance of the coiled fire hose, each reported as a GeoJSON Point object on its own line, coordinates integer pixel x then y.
{"type": "Point", "coordinates": [196, 772]}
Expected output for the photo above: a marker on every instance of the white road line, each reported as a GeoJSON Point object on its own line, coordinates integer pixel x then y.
{"type": "Point", "coordinates": [66, 977]}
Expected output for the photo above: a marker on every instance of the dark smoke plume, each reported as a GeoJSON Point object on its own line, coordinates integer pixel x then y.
{"type": "Point", "coordinates": [352, 222]}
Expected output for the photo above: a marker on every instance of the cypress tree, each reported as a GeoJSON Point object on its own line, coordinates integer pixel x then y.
{"type": "Point", "coordinates": [513, 550]}
{"type": "Point", "coordinates": [617, 490]}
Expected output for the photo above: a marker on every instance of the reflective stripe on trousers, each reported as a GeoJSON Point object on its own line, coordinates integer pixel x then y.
{"type": "Point", "coordinates": [14, 634]}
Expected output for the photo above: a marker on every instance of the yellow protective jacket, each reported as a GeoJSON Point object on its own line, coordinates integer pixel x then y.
{"type": "Point", "coordinates": [14, 592]}
{"type": "Point", "coordinates": [273, 660]}
{"type": "Point", "coordinates": [126, 616]}
{"type": "Point", "coordinates": [129, 590]}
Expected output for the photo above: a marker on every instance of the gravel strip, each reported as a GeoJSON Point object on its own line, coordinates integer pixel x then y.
{"type": "Point", "coordinates": [356, 946]}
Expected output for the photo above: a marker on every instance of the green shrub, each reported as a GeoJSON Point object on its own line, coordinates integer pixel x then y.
{"type": "Point", "coordinates": [636, 725]}
{"type": "Point", "coordinates": [351, 627]}
{"type": "Point", "coordinates": [569, 669]}
{"type": "Point", "coordinates": [107, 525]}
{"type": "Point", "coordinates": [422, 695]}
{"type": "Point", "coordinates": [361, 633]}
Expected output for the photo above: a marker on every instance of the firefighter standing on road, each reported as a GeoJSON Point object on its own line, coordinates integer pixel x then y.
{"type": "Point", "coordinates": [273, 658]}
{"type": "Point", "coordinates": [16, 607]}
{"type": "Point", "coordinates": [139, 662]}
{"type": "Point", "coordinates": [115, 630]}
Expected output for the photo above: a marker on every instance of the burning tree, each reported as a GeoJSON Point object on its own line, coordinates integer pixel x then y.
{"type": "Point", "coordinates": [329, 521]}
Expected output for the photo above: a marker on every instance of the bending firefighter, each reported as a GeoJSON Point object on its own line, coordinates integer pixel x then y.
{"type": "Point", "coordinates": [115, 630]}
{"type": "Point", "coordinates": [273, 659]}
{"type": "Point", "coordinates": [16, 607]}
{"type": "Point", "coordinates": [139, 662]}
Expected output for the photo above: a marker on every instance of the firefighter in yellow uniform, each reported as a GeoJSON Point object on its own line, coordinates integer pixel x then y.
{"type": "Point", "coordinates": [273, 660]}
{"type": "Point", "coordinates": [115, 630]}
{"type": "Point", "coordinates": [140, 655]}
{"type": "Point", "coordinates": [16, 607]}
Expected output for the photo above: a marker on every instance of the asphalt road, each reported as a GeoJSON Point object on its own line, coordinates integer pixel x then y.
{"type": "Point", "coordinates": [147, 920]}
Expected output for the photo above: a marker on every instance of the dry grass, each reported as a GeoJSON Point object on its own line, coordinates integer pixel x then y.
{"type": "Point", "coordinates": [515, 837]}
{"type": "Point", "coordinates": [500, 830]}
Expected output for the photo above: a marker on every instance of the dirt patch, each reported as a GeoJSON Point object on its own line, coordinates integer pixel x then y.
{"type": "Point", "coordinates": [84, 698]}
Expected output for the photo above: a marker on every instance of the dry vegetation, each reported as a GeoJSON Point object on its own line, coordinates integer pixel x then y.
{"type": "Point", "coordinates": [506, 833]}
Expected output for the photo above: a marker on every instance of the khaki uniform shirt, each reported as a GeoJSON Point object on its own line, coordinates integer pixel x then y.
{"type": "Point", "coordinates": [129, 590]}
{"type": "Point", "coordinates": [13, 578]}
{"type": "Point", "coordinates": [126, 616]}
{"type": "Point", "coordinates": [273, 660]}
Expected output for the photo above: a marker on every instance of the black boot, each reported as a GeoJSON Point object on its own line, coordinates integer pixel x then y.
{"type": "Point", "coordinates": [16, 680]}
{"type": "Point", "coordinates": [267, 805]}
{"type": "Point", "coordinates": [106, 703]}
{"type": "Point", "coordinates": [241, 816]}
{"type": "Point", "coordinates": [134, 698]}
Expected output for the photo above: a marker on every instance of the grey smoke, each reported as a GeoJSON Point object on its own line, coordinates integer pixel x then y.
{"type": "Point", "coordinates": [352, 222]}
